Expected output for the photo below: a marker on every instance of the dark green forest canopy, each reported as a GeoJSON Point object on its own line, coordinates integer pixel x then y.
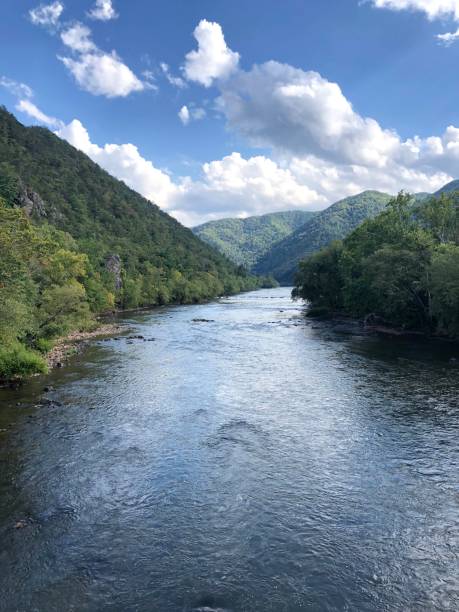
{"type": "Point", "coordinates": [402, 268]}
{"type": "Point", "coordinates": [333, 223]}
{"type": "Point", "coordinates": [245, 241]}
{"type": "Point", "coordinates": [60, 210]}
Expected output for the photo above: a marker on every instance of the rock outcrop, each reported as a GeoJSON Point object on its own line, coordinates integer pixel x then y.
{"type": "Point", "coordinates": [113, 266]}
{"type": "Point", "coordinates": [31, 202]}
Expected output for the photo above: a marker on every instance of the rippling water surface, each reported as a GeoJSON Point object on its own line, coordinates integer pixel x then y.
{"type": "Point", "coordinates": [253, 462]}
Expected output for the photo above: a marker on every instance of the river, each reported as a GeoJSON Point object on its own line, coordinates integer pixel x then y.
{"type": "Point", "coordinates": [251, 461]}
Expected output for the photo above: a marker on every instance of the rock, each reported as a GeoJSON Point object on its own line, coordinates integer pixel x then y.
{"type": "Point", "coordinates": [48, 389]}
{"type": "Point", "coordinates": [31, 202]}
{"type": "Point", "coordinates": [203, 321]}
{"type": "Point", "coordinates": [113, 266]}
{"type": "Point", "coordinates": [21, 524]}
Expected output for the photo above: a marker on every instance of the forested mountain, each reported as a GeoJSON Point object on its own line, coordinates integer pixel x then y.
{"type": "Point", "coordinates": [448, 188]}
{"type": "Point", "coordinates": [245, 241]}
{"type": "Point", "coordinates": [75, 241]}
{"type": "Point", "coordinates": [399, 269]}
{"type": "Point", "coordinates": [333, 223]}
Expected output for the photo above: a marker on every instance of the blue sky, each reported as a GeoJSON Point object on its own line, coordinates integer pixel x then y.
{"type": "Point", "coordinates": [265, 105]}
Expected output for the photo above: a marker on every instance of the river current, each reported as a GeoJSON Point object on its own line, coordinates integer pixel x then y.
{"type": "Point", "coordinates": [243, 459]}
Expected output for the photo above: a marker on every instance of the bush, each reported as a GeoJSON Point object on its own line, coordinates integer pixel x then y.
{"type": "Point", "coordinates": [16, 360]}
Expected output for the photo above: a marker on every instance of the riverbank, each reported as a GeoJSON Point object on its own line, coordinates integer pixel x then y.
{"type": "Point", "coordinates": [348, 325]}
{"type": "Point", "coordinates": [74, 343]}
{"type": "Point", "coordinates": [64, 348]}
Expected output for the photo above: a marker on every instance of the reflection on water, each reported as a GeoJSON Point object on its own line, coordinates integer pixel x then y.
{"type": "Point", "coordinates": [255, 461]}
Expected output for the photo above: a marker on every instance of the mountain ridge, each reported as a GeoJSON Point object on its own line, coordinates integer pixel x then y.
{"type": "Point", "coordinates": [330, 224]}
{"type": "Point", "coordinates": [244, 241]}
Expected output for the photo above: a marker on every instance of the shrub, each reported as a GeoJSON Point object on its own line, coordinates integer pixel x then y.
{"type": "Point", "coordinates": [16, 360]}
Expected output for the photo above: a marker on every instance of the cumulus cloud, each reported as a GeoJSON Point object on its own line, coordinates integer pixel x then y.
{"type": "Point", "coordinates": [46, 14]}
{"type": "Point", "coordinates": [21, 90]}
{"type": "Point", "coordinates": [449, 38]}
{"type": "Point", "coordinates": [239, 187]}
{"type": "Point", "coordinates": [99, 73]}
{"type": "Point", "coordinates": [321, 149]}
{"type": "Point", "coordinates": [230, 186]}
{"type": "Point", "coordinates": [434, 9]}
{"type": "Point", "coordinates": [184, 115]}
{"type": "Point", "coordinates": [191, 114]}
{"type": "Point", "coordinates": [78, 38]}
{"type": "Point", "coordinates": [173, 80]}
{"type": "Point", "coordinates": [276, 105]}
{"type": "Point", "coordinates": [124, 162]}
{"type": "Point", "coordinates": [103, 11]}
{"type": "Point", "coordinates": [29, 108]}
{"type": "Point", "coordinates": [213, 59]}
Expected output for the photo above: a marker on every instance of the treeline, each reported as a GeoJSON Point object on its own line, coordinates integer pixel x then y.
{"type": "Point", "coordinates": [401, 268]}
{"type": "Point", "coordinates": [50, 287]}
{"type": "Point", "coordinates": [75, 242]}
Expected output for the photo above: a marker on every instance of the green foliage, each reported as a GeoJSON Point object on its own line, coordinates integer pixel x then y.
{"type": "Point", "coordinates": [333, 223]}
{"type": "Point", "coordinates": [402, 266]}
{"type": "Point", "coordinates": [17, 360]}
{"type": "Point", "coordinates": [245, 241]}
{"type": "Point", "coordinates": [61, 219]}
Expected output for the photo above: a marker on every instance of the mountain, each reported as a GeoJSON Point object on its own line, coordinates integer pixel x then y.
{"type": "Point", "coordinates": [448, 188]}
{"type": "Point", "coordinates": [245, 241]}
{"type": "Point", "coordinates": [107, 218]}
{"type": "Point", "coordinates": [75, 242]}
{"type": "Point", "coordinates": [333, 223]}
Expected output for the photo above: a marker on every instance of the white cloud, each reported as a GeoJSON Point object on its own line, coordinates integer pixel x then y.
{"type": "Point", "coordinates": [449, 38]}
{"type": "Point", "coordinates": [173, 80]}
{"type": "Point", "coordinates": [239, 187]}
{"type": "Point", "coordinates": [434, 9]}
{"type": "Point", "coordinates": [78, 38]}
{"type": "Point", "coordinates": [27, 107]}
{"type": "Point", "coordinates": [321, 149]}
{"type": "Point", "coordinates": [124, 162]}
{"type": "Point", "coordinates": [231, 186]}
{"type": "Point", "coordinates": [193, 113]}
{"type": "Point", "coordinates": [213, 59]}
{"type": "Point", "coordinates": [184, 115]}
{"type": "Point", "coordinates": [301, 113]}
{"type": "Point", "coordinates": [103, 10]}
{"type": "Point", "coordinates": [46, 14]}
{"type": "Point", "coordinates": [17, 89]}
{"type": "Point", "coordinates": [100, 73]}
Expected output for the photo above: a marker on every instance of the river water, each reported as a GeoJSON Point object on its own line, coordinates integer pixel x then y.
{"type": "Point", "coordinates": [256, 461]}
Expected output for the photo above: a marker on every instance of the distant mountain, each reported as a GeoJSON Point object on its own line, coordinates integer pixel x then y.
{"type": "Point", "coordinates": [333, 223]}
{"type": "Point", "coordinates": [245, 241]}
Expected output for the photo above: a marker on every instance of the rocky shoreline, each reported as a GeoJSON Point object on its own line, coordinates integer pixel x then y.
{"type": "Point", "coordinates": [73, 343]}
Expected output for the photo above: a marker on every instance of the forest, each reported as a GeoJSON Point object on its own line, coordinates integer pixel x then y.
{"type": "Point", "coordinates": [76, 243]}
{"type": "Point", "coordinates": [399, 269]}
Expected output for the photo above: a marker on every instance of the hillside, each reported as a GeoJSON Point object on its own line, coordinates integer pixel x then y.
{"type": "Point", "coordinates": [74, 242]}
{"type": "Point", "coordinates": [245, 241]}
{"type": "Point", "coordinates": [448, 188]}
{"type": "Point", "coordinates": [333, 223]}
